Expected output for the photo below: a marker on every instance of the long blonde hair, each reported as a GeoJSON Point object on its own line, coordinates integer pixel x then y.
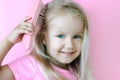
{"type": "Point", "coordinates": [50, 11]}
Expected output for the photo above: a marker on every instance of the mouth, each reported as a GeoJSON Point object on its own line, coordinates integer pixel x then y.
{"type": "Point", "coordinates": [64, 52]}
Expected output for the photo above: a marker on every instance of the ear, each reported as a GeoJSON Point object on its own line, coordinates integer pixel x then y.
{"type": "Point", "coordinates": [44, 42]}
{"type": "Point", "coordinates": [44, 38]}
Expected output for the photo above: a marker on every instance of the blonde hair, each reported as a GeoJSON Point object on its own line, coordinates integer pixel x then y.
{"type": "Point", "coordinates": [50, 11]}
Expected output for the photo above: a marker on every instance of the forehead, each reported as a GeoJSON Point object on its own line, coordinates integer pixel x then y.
{"type": "Point", "coordinates": [66, 23]}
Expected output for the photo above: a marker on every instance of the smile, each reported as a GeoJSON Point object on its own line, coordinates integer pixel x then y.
{"type": "Point", "coordinates": [66, 52]}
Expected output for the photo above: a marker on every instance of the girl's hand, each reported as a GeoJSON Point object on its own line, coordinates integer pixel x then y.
{"type": "Point", "coordinates": [24, 27]}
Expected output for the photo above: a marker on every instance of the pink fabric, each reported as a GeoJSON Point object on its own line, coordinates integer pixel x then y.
{"type": "Point", "coordinates": [27, 68]}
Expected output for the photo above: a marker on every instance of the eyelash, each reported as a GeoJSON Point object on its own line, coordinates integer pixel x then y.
{"type": "Point", "coordinates": [60, 36]}
{"type": "Point", "coordinates": [76, 36]}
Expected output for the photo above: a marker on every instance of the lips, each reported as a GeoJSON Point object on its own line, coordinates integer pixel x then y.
{"type": "Point", "coordinates": [66, 52]}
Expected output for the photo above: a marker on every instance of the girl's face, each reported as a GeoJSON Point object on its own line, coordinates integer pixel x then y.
{"type": "Point", "coordinates": [63, 38]}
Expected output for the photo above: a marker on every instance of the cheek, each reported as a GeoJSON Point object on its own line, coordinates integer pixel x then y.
{"type": "Point", "coordinates": [54, 44]}
{"type": "Point", "coordinates": [78, 45]}
{"type": "Point", "coordinates": [57, 44]}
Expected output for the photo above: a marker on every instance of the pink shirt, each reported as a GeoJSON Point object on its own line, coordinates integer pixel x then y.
{"type": "Point", "coordinates": [27, 68]}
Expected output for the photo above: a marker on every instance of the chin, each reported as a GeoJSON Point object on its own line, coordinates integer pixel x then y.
{"type": "Point", "coordinates": [66, 62]}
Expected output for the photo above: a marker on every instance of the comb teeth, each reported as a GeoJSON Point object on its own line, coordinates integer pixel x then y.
{"type": "Point", "coordinates": [43, 11]}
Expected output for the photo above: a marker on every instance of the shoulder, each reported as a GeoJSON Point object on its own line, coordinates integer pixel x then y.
{"type": "Point", "coordinates": [25, 68]}
{"type": "Point", "coordinates": [24, 61]}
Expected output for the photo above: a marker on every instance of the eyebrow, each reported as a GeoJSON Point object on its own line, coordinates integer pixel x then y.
{"type": "Point", "coordinates": [60, 32]}
{"type": "Point", "coordinates": [79, 32]}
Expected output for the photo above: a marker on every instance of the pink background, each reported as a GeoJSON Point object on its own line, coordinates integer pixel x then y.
{"type": "Point", "coordinates": [103, 17]}
{"type": "Point", "coordinates": [11, 13]}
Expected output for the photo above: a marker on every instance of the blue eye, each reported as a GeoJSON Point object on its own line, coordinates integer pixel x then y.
{"type": "Point", "coordinates": [60, 36]}
{"type": "Point", "coordinates": [77, 37]}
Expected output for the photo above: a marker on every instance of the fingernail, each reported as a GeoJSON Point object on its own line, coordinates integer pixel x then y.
{"type": "Point", "coordinates": [28, 18]}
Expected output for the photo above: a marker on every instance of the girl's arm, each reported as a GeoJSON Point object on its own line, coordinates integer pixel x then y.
{"type": "Point", "coordinates": [14, 37]}
{"type": "Point", "coordinates": [5, 72]}
{"type": "Point", "coordinates": [5, 46]}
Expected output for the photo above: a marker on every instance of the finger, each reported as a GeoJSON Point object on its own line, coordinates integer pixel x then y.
{"type": "Point", "coordinates": [28, 24]}
{"type": "Point", "coordinates": [24, 31]}
{"type": "Point", "coordinates": [25, 19]}
{"type": "Point", "coordinates": [27, 28]}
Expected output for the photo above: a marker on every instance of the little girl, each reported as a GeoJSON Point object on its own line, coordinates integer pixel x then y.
{"type": "Point", "coordinates": [60, 45]}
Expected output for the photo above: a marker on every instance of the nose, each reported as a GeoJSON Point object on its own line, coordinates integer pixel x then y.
{"type": "Point", "coordinates": [69, 45]}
